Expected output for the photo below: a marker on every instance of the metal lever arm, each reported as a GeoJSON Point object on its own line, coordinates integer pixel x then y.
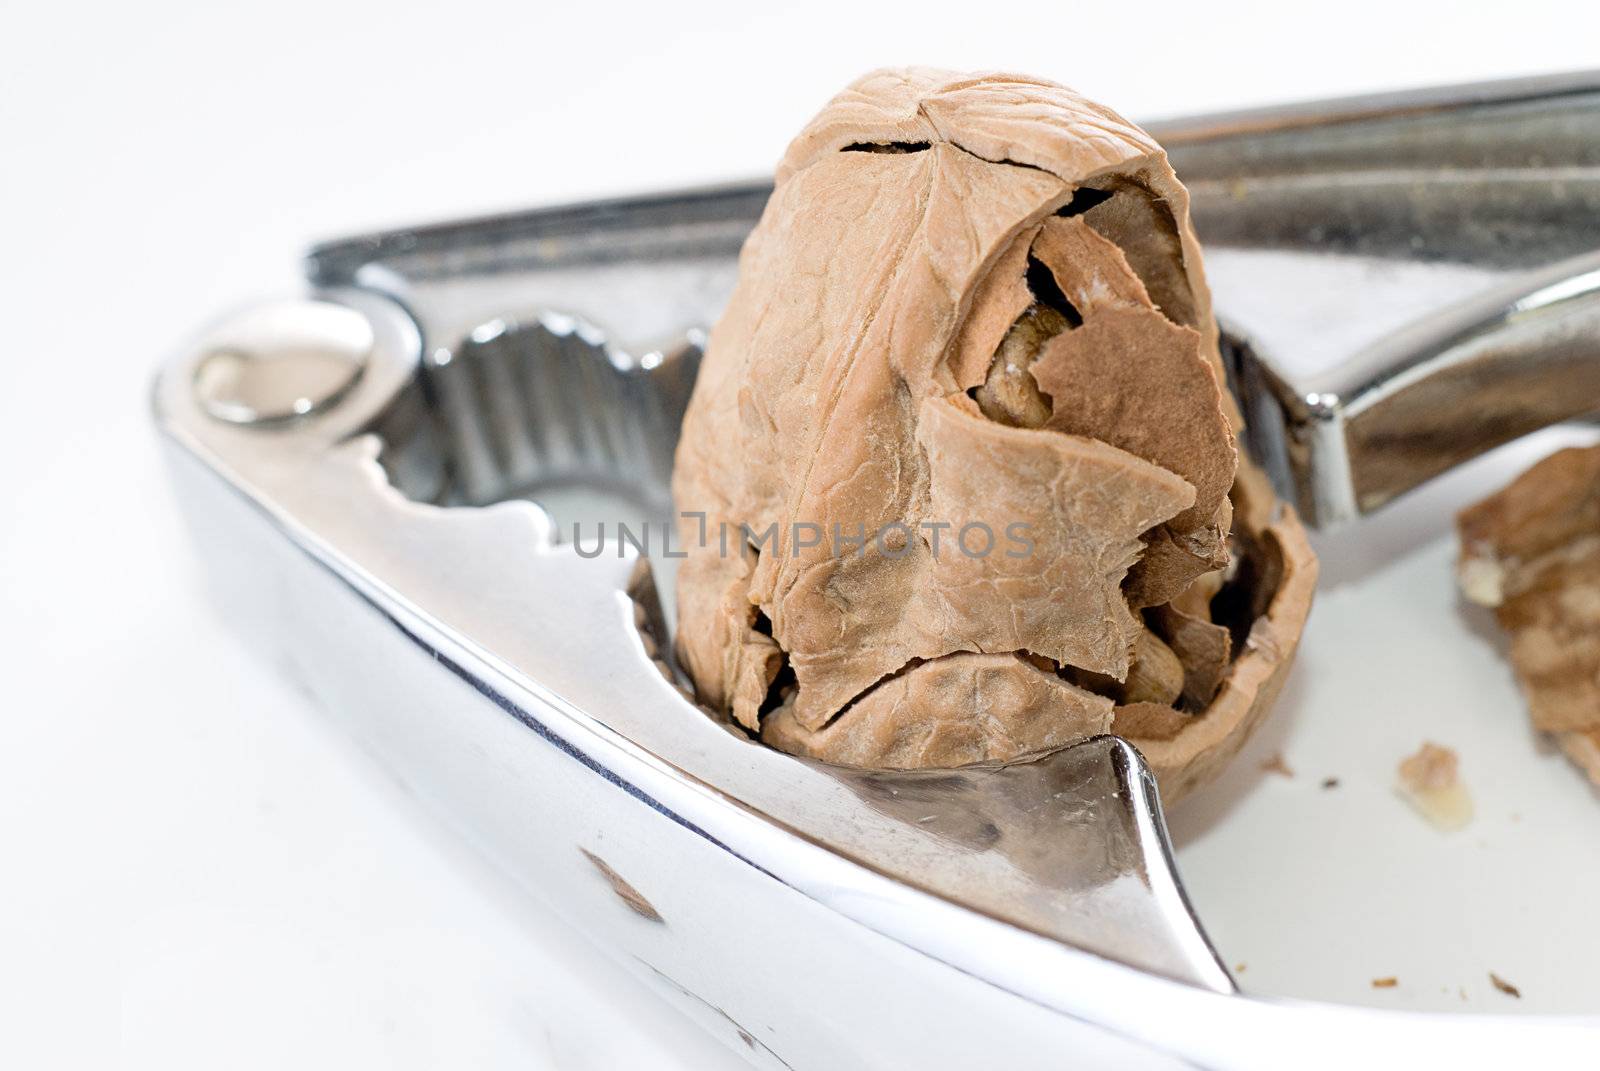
{"type": "Point", "coordinates": [1408, 281]}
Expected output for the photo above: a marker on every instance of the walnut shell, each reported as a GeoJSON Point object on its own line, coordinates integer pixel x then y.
{"type": "Point", "coordinates": [974, 311]}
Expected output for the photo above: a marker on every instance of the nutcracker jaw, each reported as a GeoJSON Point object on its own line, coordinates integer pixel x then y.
{"type": "Point", "coordinates": [359, 464]}
{"type": "Point", "coordinates": [514, 684]}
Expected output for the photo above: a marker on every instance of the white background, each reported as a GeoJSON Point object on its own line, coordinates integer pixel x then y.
{"type": "Point", "coordinates": [197, 872]}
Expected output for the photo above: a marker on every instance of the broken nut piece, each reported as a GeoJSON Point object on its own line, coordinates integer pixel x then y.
{"type": "Point", "coordinates": [1430, 781]}
{"type": "Point", "coordinates": [1531, 552]}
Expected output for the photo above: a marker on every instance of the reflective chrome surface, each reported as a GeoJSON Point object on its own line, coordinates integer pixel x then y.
{"type": "Point", "coordinates": [281, 361]}
{"type": "Point", "coordinates": [1409, 281]}
{"type": "Point", "coordinates": [388, 549]}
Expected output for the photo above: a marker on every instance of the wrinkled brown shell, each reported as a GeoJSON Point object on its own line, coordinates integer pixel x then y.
{"type": "Point", "coordinates": [1203, 745]}
{"type": "Point", "coordinates": [1532, 552]}
{"type": "Point", "coordinates": [978, 302]}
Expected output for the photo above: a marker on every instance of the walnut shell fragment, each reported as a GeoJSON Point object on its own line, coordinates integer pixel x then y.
{"type": "Point", "coordinates": [1532, 553]}
{"type": "Point", "coordinates": [959, 476]}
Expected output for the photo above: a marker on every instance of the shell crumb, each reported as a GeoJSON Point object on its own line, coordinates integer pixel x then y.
{"type": "Point", "coordinates": [1275, 764]}
{"type": "Point", "coordinates": [1504, 986]}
